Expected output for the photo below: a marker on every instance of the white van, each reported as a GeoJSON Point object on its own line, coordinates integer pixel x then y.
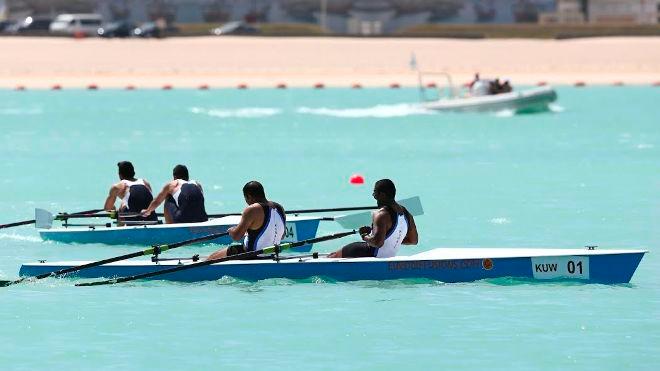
{"type": "Point", "coordinates": [70, 24]}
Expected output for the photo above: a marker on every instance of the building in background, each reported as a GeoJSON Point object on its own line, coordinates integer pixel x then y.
{"type": "Point", "coordinates": [359, 17]}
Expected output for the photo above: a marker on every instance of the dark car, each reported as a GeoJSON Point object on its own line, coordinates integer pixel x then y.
{"type": "Point", "coordinates": [235, 28]}
{"type": "Point", "coordinates": [5, 25]}
{"type": "Point", "coordinates": [31, 25]}
{"type": "Point", "coordinates": [151, 29]}
{"type": "Point", "coordinates": [116, 29]}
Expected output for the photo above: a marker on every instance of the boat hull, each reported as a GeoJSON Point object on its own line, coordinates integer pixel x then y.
{"type": "Point", "coordinates": [297, 228]}
{"type": "Point", "coordinates": [446, 265]}
{"type": "Point", "coordinates": [523, 101]}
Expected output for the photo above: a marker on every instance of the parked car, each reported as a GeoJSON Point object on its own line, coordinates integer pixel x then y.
{"type": "Point", "coordinates": [116, 29]}
{"type": "Point", "coordinates": [5, 25]}
{"type": "Point", "coordinates": [151, 29]}
{"type": "Point", "coordinates": [235, 28]}
{"type": "Point", "coordinates": [32, 24]}
{"type": "Point", "coordinates": [70, 24]}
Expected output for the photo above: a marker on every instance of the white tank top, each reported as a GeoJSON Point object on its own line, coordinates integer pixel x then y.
{"type": "Point", "coordinates": [271, 234]}
{"type": "Point", "coordinates": [124, 200]}
{"type": "Point", "coordinates": [181, 182]}
{"type": "Point", "coordinates": [393, 239]}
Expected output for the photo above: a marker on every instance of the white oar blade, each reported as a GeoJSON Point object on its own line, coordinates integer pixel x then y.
{"type": "Point", "coordinates": [357, 220]}
{"type": "Point", "coordinates": [43, 219]}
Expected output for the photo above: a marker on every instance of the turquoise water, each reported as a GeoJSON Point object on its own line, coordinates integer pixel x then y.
{"type": "Point", "coordinates": [588, 173]}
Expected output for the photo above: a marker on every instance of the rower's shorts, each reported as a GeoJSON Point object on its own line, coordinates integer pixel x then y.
{"type": "Point", "coordinates": [358, 250]}
{"type": "Point", "coordinates": [235, 250]}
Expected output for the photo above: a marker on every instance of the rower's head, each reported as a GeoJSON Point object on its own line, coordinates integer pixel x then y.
{"type": "Point", "coordinates": [180, 172]}
{"type": "Point", "coordinates": [126, 170]}
{"type": "Point", "coordinates": [384, 191]}
{"type": "Point", "coordinates": [253, 192]}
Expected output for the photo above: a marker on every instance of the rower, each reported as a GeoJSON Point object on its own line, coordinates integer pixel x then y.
{"type": "Point", "coordinates": [262, 223]}
{"type": "Point", "coordinates": [184, 199]}
{"type": "Point", "coordinates": [135, 194]}
{"type": "Point", "coordinates": [392, 226]}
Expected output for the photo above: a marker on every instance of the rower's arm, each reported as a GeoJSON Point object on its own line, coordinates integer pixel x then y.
{"type": "Point", "coordinates": [411, 236]}
{"type": "Point", "coordinates": [158, 200]}
{"type": "Point", "coordinates": [247, 219]}
{"type": "Point", "coordinates": [377, 236]}
{"type": "Point", "coordinates": [112, 196]}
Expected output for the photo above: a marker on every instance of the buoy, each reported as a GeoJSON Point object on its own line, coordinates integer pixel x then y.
{"type": "Point", "coordinates": [281, 85]}
{"type": "Point", "coordinates": [356, 179]}
{"type": "Point", "coordinates": [618, 83]}
{"type": "Point", "coordinates": [541, 83]}
{"type": "Point", "coordinates": [431, 85]}
{"type": "Point", "coordinates": [130, 87]}
{"type": "Point", "coordinates": [167, 87]}
{"type": "Point", "coordinates": [657, 83]}
{"type": "Point", "coordinates": [356, 86]}
{"type": "Point", "coordinates": [242, 86]}
{"type": "Point", "coordinates": [319, 85]}
{"type": "Point", "coordinates": [20, 87]}
{"type": "Point", "coordinates": [395, 85]}
{"type": "Point", "coordinates": [203, 87]}
{"type": "Point", "coordinates": [92, 87]}
{"type": "Point", "coordinates": [56, 87]}
{"type": "Point", "coordinates": [580, 84]}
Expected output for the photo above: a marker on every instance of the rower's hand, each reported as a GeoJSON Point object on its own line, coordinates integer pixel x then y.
{"type": "Point", "coordinates": [145, 213]}
{"type": "Point", "coordinates": [364, 230]}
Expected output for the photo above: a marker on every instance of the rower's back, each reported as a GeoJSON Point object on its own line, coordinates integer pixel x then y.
{"type": "Point", "coordinates": [397, 232]}
{"type": "Point", "coordinates": [272, 228]}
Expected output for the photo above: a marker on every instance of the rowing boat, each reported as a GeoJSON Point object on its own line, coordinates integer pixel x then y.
{"type": "Point", "coordinates": [441, 264]}
{"type": "Point", "coordinates": [297, 227]}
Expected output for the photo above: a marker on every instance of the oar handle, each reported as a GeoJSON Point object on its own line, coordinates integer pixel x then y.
{"type": "Point", "coordinates": [16, 224]}
{"type": "Point", "coordinates": [248, 254]}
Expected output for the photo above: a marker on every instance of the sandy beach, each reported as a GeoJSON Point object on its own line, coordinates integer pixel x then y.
{"type": "Point", "coordinates": [260, 61]}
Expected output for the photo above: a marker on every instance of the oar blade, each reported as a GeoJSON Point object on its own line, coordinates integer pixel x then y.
{"type": "Point", "coordinates": [43, 219]}
{"type": "Point", "coordinates": [357, 220]}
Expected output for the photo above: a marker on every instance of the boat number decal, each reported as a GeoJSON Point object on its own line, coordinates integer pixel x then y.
{"type": "Point", "coordinates": [290, 233]}
{"type": "Point", "coordinates": [548, 267]}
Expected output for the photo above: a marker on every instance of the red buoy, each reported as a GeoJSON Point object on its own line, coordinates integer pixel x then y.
{"type": "Point", "coordinates": [541, 83]}
{"type": "Point", "coordinates": [167, 87]}
{"type": "Point", "coordinates": [356, 179]}
{"type": "Point", "coordinates": [130, 87]}
{"type": "Point", "coordinates": [657, 83]}
{"type": "Point", "coordinates": [618, 83]}
{"type": "Point", "coordinates": [395, 85]}
{"type": "Point", "coordinates": [580, 84]}
{"type": "Point", "coordinates": [242, 86]}
{"type": "Point", "coordinates": [319, 85]}
{"type": "Point", "coordinates": [431, 85]}
{"type": "Point", "coordinates": [92, 87]}
{"type": "Point", "coordinates": [281, 85]}
{"type": "Point", "coordinates": [203, 87]}
{"type": "Point", "coordinates": [356, 86]}
{"type": "Point", "coordinates": [20, 87]}
{"type": "Point", "coordinates": [56, 87]}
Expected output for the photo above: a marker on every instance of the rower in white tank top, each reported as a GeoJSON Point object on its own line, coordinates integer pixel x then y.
{"type": "Point", "coordinates": [271, 231]}
{"type": "Point", "coordinates": [127, 194]}
{"type": "Point", "coordinates": [394, 237]}
{"type": "Point", "coordinates": [180, 183]}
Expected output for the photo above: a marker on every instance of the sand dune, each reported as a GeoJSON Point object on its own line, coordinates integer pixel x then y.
{"type": "Point", "coordinates": [261, 61]}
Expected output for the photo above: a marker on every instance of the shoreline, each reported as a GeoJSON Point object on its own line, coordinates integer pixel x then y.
{"type": "Point", "coordinates": [227, 62]}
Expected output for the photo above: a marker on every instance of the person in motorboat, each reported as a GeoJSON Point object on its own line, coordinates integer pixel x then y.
{"type": "Point", "coordinates": [479, 87]}
{"type": "Point", "coordinates": [392, 226]}
{"type": "Point", "coordinates": [184, 199]}
{"type": "Point", "coordinates": [262, 223]}
{"type": "Point", "coordinates": [135, 195]}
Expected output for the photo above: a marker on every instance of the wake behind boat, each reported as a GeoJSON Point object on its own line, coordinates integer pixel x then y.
{"type": "Point", "coordinates": [449, 265]}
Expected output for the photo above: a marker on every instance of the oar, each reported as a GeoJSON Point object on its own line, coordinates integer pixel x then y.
{"type": "Point", "coordinates": [156, 248]}
{"type": "Point", "coordinates": [32, 221]}
{"type": "Point", "coordinates": [412, 204]}
{"type": "Point", "coordinates": [249, 254]}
